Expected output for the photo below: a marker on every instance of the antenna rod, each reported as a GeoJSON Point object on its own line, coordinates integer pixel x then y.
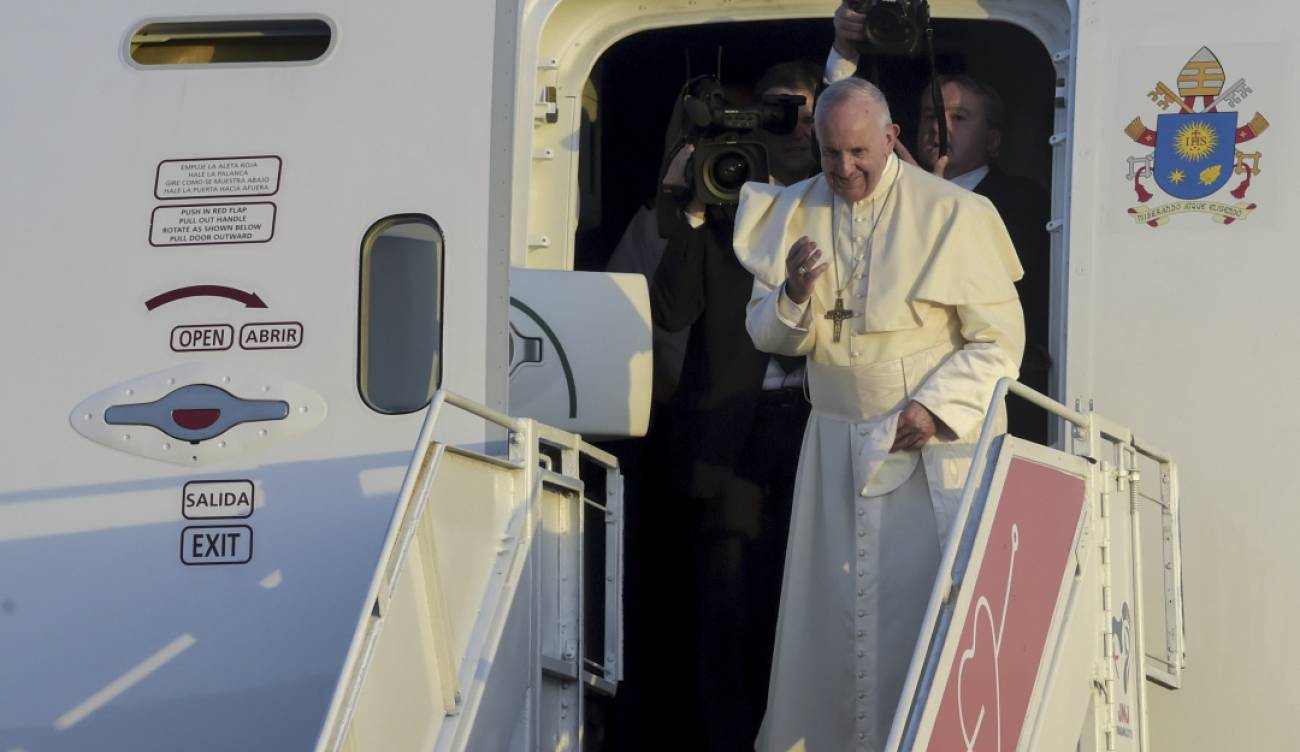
{"type": "Point", "coordinates": [936, 95]}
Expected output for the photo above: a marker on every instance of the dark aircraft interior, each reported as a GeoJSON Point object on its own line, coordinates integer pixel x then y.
{"type": "Point", "coordinates": [637, 80]}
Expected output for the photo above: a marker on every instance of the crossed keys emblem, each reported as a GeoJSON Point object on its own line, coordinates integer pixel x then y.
{"type": "Point", "coordinates": [1195, 144]}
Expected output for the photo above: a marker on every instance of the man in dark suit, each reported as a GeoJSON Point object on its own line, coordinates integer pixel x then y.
{"type": "Point", "coordinates": [975, 125]}
{"type": "Point", "coordinates": [975, 120]}
{"type": "Point", "coordinates": [737, 421]}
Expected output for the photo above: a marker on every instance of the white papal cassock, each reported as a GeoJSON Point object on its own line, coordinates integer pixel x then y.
{"type": "Point", "coordinates": [937, 321]}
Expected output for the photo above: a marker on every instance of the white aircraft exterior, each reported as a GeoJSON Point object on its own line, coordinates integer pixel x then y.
{"type": "Point", "coordinates": [297, 362]}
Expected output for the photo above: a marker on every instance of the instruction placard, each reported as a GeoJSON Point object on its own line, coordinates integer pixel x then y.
{"type": "Point", "coordinates": [217, 499]}
{"type": "Point", "coordinates": [202, 337]}
{"type": "Point", "coordinates": [217, 176]}
{"type": "Point", "coordinates": [212, 224]}
{"type": "Point", "coordinates": [274, 335]}
{"type": "Point", "coordinates": [216, 544]}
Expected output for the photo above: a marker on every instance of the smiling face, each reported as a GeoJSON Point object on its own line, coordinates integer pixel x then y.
{"type": "Point", "coordinates": [971, 143]}
{"type": "Point", "coordinates": [855, 142]}
{"type": "Point", "coordinates": [790, 157]}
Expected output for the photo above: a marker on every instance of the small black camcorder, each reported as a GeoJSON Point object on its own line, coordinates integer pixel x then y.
{"type": "Point", "coordinates": [726, 156]}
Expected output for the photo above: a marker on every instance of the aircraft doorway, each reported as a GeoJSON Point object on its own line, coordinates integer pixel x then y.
{"type": "Point", "coordinates": [627, 106]}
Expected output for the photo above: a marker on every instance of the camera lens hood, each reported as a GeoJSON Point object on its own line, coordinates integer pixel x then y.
{"type": "Point", "coordinates": [894, 25]}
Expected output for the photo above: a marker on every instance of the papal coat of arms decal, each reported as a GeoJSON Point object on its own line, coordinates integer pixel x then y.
{"type": "Point", "coordinates": [1198, 149]}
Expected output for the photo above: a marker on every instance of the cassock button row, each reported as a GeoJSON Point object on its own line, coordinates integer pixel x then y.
{"type": "Point", "coordinates": [861, 633]}
{"type": "Point", "coordinates": [862, 533]}
{"type": "Point", "coordinates": [862, 614]}
{"type": "Point", "coordinates": [862, 552]}
{"type": "Point", "coordinates": [861, 511]}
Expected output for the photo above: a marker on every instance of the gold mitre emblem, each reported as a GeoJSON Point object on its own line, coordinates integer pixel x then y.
{"type": "Point", "coordinates": [1202, 75]}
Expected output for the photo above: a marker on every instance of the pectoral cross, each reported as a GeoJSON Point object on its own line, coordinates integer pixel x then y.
{"type": "Point", "coordinates": [839, 314]}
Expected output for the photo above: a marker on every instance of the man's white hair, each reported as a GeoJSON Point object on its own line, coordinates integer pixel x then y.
{"type": "Point", "coordinates": [850, 88]}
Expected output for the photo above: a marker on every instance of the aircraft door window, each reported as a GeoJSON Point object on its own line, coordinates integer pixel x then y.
{"type": "Point", "coordinates": [230, 41]}
{"type": "Point", "coordinates": [400, 342]}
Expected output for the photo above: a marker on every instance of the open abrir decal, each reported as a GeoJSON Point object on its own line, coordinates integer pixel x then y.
{"type": "Point", "coordinates": [1197, 150]}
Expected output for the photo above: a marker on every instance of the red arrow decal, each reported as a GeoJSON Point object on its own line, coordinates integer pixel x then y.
{"type": "Point", "coordinates": [249, 299]}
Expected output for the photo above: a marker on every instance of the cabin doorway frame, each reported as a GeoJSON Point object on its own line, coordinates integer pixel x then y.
{"type": "Point", "coordinates": [570, 36]}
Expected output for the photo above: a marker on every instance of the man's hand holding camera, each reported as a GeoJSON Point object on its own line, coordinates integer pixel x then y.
{"type": "Point", "coordinates": [850, 31]}
{"type": "Point", "coordinates": [675, 181]}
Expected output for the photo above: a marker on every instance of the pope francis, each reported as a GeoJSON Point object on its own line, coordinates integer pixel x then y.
{"type": "Point", "coordinates": [898, 287]}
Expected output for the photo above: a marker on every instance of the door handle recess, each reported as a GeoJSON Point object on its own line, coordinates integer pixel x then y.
{"type": "Point", "coordinates": [196, 412]}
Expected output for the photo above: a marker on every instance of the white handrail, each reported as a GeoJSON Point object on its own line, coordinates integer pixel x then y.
{"type": "Point", "coordinates": [526, 437]}
{"type": "Point", "coordinates": [397, 540]}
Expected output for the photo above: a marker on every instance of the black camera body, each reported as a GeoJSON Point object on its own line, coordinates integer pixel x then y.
{"type": "Point", "coordinates": [893, 25]}
{"type": "Point", "coordinates": [726, 154]}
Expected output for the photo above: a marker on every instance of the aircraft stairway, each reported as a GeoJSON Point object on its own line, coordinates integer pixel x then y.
{"type": "Point", "coordinates": [496, 604]}
{"type": "Point", "coordinates": [1060, 593]}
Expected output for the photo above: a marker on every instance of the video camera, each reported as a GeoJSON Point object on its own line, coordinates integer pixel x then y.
{"type": "Point", "coordinates": [725, 155]}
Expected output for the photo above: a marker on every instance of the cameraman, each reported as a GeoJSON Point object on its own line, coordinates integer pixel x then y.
{"type": "Point", "coordinates": [737, 421]}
